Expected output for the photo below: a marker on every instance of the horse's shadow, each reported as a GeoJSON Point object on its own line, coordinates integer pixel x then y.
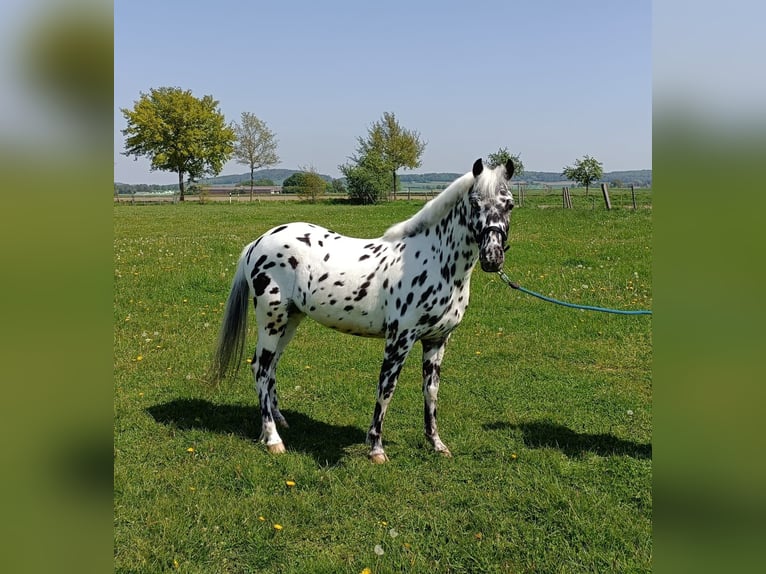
{"type": "Point", "coordinates": [326, 443]}
{"type": "Point", "coordinates": [547, 434]}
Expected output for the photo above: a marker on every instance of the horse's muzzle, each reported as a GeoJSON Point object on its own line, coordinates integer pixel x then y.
{"type": "Point", "coordinates": [492, 252]}
{"type": "Point", "coordinates": [491, 265]}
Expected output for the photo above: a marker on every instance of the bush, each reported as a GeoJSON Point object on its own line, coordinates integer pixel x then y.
{"type": "Point", "coordinates": [365, 186]}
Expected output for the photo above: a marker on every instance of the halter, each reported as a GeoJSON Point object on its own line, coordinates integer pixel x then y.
{"type": "Point", "coordinates": [486, 231]}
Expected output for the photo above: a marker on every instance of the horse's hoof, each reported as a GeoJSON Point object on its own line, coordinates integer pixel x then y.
{"type": "Point", "coordinates": [445, 453]}
{"type": "Point", "coordinates": [277, 448]}
{"type": "Point", "coordinates": [378, 458]}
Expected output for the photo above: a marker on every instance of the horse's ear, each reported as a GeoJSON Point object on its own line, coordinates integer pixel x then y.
{"type": "Point", "coordinates": [509, 167]}
{"type": "Point", "coordinates": [478, 167]}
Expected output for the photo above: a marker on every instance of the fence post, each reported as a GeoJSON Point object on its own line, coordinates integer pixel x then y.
{"type": "Point", "coordinates": [605, 191]}
{"type": "Point", "coordinates": [633, 195]}
{"type": "Point", "coordinates": [567, 198]}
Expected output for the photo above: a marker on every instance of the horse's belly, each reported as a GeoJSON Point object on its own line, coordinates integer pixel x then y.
{"type": "Point", "coordinates": [347, 316]}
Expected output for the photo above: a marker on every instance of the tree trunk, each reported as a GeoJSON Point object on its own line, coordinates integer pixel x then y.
{"type": "Point", "coordinates": [181, 184]}
{"type": "Point", "coordinates": [394, 178]}
{"type": "Point", "coordinates": [252, 169]}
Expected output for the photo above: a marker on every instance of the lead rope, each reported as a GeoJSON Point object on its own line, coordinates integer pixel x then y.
{"type": "Point", "coordinates": [515, 285]}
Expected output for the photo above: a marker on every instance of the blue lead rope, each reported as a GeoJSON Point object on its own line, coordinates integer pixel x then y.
{"type": "Point", "coordinates": [514, 285]}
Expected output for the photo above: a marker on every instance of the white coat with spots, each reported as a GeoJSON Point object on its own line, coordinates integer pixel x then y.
{"type": "Point", "coordinates": [412, 284]}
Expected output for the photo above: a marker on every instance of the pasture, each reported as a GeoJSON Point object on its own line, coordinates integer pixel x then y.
{"type": "Point", "coordinates": [547, 410]}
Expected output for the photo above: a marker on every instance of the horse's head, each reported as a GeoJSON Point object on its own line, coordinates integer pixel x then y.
{"type": "Point", "coordinates": [491, 203]}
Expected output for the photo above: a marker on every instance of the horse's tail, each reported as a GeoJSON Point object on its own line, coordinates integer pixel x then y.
{"type": "Point", "coordinates": [231, 339]}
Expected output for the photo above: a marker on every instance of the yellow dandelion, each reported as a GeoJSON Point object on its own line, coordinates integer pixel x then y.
{"type": "Point", "coordinates": [190, 449]}
{"type": "Point", "coordinates": [140, 358]}
{"type": "Point", "coordinates": [176, 565]}
{"type": "Point", "coordinates": [366, 571]}
{"type": "Point", "coordinates": [249, 361]}
{"type": "Point", "coordinates": [514, 456]}
{"type": "Point", "coordinates": [478, 536]}
{"type": "Point", "coordinates": [290, 483]}
{"type": "Point", "coordinates": [478, 352]}
{"type": "Point", "coordinates": [262, 519]}
{"type": "Point", "coordinates": [277, 527]}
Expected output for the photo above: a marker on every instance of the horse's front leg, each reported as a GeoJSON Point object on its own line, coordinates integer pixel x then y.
{"type": "Point", "coordinates": [396, 352]}
{"type": "Point", "coordinates": [433, 352]}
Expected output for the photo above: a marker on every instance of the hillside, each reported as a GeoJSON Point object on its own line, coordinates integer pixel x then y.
{"type": "Point", "coordinates": [640, 177]}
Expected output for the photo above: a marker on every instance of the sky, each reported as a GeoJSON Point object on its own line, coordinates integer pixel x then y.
{"type": "Point", "coordinates": [551, 80]}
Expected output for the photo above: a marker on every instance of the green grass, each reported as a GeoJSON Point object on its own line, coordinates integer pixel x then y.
{"type": "Point", "coordinates": [547, 410]}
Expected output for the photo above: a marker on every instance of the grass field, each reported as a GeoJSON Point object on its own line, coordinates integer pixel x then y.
{"type": "Point", "coordinates": [547, 410]}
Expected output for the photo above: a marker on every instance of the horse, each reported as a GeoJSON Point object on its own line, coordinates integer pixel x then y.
{"type": "Point", "coordinates": [412, 284]}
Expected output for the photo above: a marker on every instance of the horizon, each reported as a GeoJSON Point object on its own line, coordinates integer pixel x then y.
{"type": "Point", "coordinates": [468, 84]}
{"type": "Point", "coordinates": [341, 176]}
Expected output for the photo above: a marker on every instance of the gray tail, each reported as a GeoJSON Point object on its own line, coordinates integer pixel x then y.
{"type": "Point", "coordinates": [231, 340]}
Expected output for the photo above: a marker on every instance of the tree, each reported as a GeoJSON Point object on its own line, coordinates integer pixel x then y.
{"type": "Point", "coordinates": [337, 186]}
{"type": "Point", "coordinates": [501, 156]}
{"type": "Point", "coordinates": [256, 145]}
{"type": "Point", "coordinates": [366, 179]}
{"type": "Point", "coordinates": [313, 185]}
{"type": "Point", "coordinates": [396, 146]}
{"type": "Point", "coordinates": [178, 133]}
{"type": "Point", "coordinates": [294, 183]}
{"type": "Point", "coordinates": [585, 171]}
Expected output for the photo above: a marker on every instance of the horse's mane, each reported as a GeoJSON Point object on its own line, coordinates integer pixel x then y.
{"type": "Point", "coordinates": [432, 211]}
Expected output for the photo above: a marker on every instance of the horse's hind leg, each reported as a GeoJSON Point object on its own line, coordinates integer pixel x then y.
{"type": "Point", "coordinates": [291, 326]}
{"type": "Point", "coordinates": [433, 352]}
{"type": "Point", "coordinates": [272, 327]}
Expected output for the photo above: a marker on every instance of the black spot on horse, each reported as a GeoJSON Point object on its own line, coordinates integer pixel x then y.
{"type": "Point", "coordinates": [363, 257]}
{"type": "Point", "coordinates": [305, 239]}
{"type": "Point", "coordinates": [260, 283]}
{"type": "Point", "coordinates": [293, 262]}
{"type": "Point", "coordinates": [278, 229]}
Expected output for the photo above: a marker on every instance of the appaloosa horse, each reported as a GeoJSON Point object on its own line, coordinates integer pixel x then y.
{"type": "Point", "coordinates": [410, 284]}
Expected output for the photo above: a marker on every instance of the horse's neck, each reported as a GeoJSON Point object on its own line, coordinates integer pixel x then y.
{"type": "Point", "coordinates": [453, 240]}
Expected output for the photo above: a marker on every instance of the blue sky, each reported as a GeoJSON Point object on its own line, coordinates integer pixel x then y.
{"type": "Point", "coordinates": [550, 80]}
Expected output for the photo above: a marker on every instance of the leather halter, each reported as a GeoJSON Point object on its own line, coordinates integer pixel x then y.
{"type": "Point", "coordinates": [490, 228]}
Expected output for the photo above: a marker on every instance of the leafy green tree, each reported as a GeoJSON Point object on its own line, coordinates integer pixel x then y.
{"type": "Point", "coordinates": [501, 156]}
{"type": "Point", "coordinates": [294, 183]}
{"type": "Point", "coordinates": [366, 179]}
{"type": "Point", "coordinates": [313, 185]}
{"type": "Point", "coordinates": [584, 171]}
{"type": "Point", "coordinates": [337, 186]}
{"type": "Point", "coordinates": [396, 146]}
{"type": "Point", "coordinates": [179, 133]}
{"type": "Point", "coordinates": [256, 145]}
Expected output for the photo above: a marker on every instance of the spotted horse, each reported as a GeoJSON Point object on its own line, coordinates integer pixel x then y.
{"type": "Point", "coordinates": [410, 284]}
